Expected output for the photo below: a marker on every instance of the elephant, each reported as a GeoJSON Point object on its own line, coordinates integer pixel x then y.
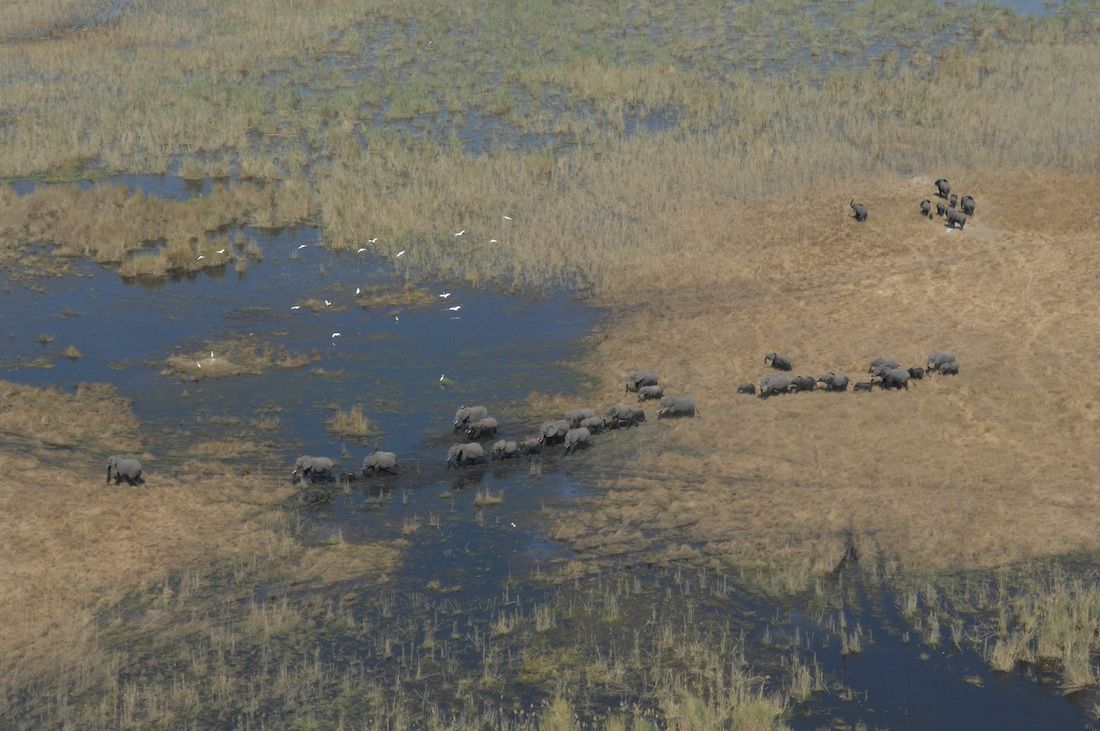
{"type": "Point", "coordinates": [593, 424]}
{"type": "Point", "coordinates": [504, 450]}
{"type": "Point", "coordinates": [966, 203]}
{"type": "Point", "coordinates": [953, 201]}
{"type": "Point", "coordinates": [621, 415]}
{"type": "Point", "coordinates": [878, 365]}
{"type": "Point", "coordinates": [935, 360]}
{"type": "Point", "coordinates": [942, 188]}
{"type": "Point", "coordinates": [834, 381]}
{"type": "Point", "coordinates": [956, 218]}
{"type": "Point", "coordinates": [916, 373]}
{"type": "Point", "coordinates": [124, 468]}
{"type": "Point", "coordinates": [949, 369]}
{"type": "Point", "coordinates": [482, 428]}
{"type": "Point", "coordinates": [377, 462]}
{"type": "Point", "coordinates": [802, 383]}
{"type": "Point", "coordinates": [859, 211]}
{"type": "Point", "coordinates": [576, 416]}
{"type": "Point", "coordinates": [749, 388]}
{"type": "Point", "coordinates": [531, 445]}
{"type": "Point", "coordinates": [461, 455]}
{"type": "Point", "coordinates": [772, 385]}
{"type": "Point", "coordinates": [863, 386]}
{"type": "Point", "coordinates": [674, 407]}
{"type": "Point", "coordinates": [576, 439]}
{"type": "Point", "coordinates": [778, 362]}
{"type": "Point", "coordinates": [926, 208]}
{"type": "Point", "coordinates": [466, 414]}
{"type": "Point", "coordinates": [896, 378]}
{"type": "Point", "coordinates": [315, 468]}
{"type": "Point", "coordinates": [637, 379]}
{"type": "Point", "coordinates": [645, 393]}
{"type": "Point", "coordinates": [940, 209]}
{"type": "Point", "coordinates": [553, 432]}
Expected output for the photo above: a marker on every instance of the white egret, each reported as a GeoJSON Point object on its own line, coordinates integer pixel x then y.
{"type": "Point", "coordinates": [456, 308]}
{"type": "Point", "coordinates": [400, 253]}
{"type": "Point", "coordinates": [460, 232]}
{"type": "Point", "coordinates": [445, 295]}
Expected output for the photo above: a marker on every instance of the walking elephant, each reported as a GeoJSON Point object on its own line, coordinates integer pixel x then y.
{"type": "Point", "coordinates": [467, 414]}
{"type": "Point", "coordinates": [378, 462]}
{"type": "Point", "coordinates": [576, 439]}
{"type": "Point", "coordinates": [674, 407]}
{"type": "Point", "coordinates": [124, 468]}
{"type": "Point", "coordinates": [461, 455]}
{"type": "Point", "coordinates": [312, 468]}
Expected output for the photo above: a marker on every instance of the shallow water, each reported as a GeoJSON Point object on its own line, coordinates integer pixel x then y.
{"type": "Point", "coordinates": [497, 349]}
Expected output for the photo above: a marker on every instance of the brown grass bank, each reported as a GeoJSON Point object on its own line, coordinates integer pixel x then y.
{"type": "Point", "coordinates": [982, 469]}
{"type": "Point", "coordinates": [72, 548]}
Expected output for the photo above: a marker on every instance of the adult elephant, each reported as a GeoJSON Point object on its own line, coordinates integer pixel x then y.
{"type": "Point", "coordinates": [637, 379]}
{"type": "Point", "coordinates": [380, 462]}
{"type": "Point", "coordinates": [674, 407]}
{"type": "Point", "coordinates": [773, 385]}
{"type": "Point", "coordinates": [313, 468]}
{"type": "Point", "coordinates": [938, 358]}
{"type": "Point", "coordinates": [482, 428]}
{"type": "Point", "coordinates": [467, 414]}
{"type": "Point", "coordinates": [859, 211]}
{"type": "Point", "coordinates": [576, 416]}
{"type": "Point", "coordinates": [834, 381]}
{"type": "Point", "coordinates": [576, 439]}
{"type": "Point", "coordinates": [778, 362]}
{"type": "Point", "coordinates": [124, 468]}
{"type": "Point", "coordinates": [461, 455]}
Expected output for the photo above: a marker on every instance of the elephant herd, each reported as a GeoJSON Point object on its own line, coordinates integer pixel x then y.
{"type": "Point", "coordinates": [572, 433]}
{"type": "Point", "coordinates": [954, 210]}
{"type": "Point", "coordinates": [886, 373]}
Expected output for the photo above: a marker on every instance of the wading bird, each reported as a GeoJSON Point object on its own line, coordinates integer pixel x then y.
{"type": "Point", "coordinates": [460, 232]}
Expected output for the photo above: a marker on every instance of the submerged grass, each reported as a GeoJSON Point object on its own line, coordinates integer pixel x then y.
{"type": "Point", "coordinates": [231, 358]}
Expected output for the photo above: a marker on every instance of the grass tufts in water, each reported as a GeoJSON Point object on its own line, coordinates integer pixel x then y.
{"type": "Point", "coordinates": [231, 358]}
{"type": "Point", "coordinates": [351, 423]}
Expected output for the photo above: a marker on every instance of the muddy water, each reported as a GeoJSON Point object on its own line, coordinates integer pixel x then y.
{"type": "Point", "coordinates": [496, 350]}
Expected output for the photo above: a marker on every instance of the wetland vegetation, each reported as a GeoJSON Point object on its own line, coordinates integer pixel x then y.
{"type": "Point", "coordinates": [686, 168]}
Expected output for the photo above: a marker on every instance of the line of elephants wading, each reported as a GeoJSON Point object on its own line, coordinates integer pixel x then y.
{"type": "Point", "coordinates": [885, 374]}
{"type": "Point", "coordinates": [955, 211]}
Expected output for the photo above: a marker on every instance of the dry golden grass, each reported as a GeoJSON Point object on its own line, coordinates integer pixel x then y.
{"type": "Point", "coordinates": [110, 225]}
{"type": "Point", "coordinates": [93, 415]}
{"type": "Point", "coordinates": [387, 296]}
{"type": "Point", "coordinates": [982, 469]}
{"type": "Point", "coordinates": [72, 547]}
{"type": "Point", "coordinates": [231, 358]}
{"type": "Point", "coordinates": [351, 423]}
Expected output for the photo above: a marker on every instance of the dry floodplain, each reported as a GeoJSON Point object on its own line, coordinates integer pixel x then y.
{"type": "Point", "coordinates": [697, 188]}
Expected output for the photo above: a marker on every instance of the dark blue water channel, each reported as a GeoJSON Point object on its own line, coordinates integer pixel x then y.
{"type": "Point", "coordinates": [496, 350]}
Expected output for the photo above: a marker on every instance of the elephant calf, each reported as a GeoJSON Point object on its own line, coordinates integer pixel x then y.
{"type": "Point", "coordinates": [834, 381]}
{"type": "Point", "coordinates": [467, 414]}
{"type": "Point", "coordinates": [940, 209]}
{"type": "Point", "coordinates": [576, 416]}
{"type": "Point", "coordinates": [674, 407]}
{"type": "Point", "coordinates": [124, 468]}
{"type": "Point", "coordinates": [576, 439]}
{"type": "Point", "coordinates": [622, 415]}
{"type": "Point", "coordinates": [378, 462]}
{"type": "Point", "coordinates": [646, 393]}
{"type": "Point", "coordinates": [749, 388]}
{"type": "Point", "coordinates": [926, 208]}
{"type": "Point", "coordinates": [778, 362]}
{"type": "Point", "coordinates": [916, 373]}
{"type": "Point", "coordinates": [313, 468]}
{"type": "Point", "coordinates": [593, 424]}
{"type": "Point", "coordinates": [863, 386]}
{"type": "Point", "coordinates": [773, 385]}
{"type": "Point", "coordinates": [802, 383]}
{"type": "Point", "coordinates": [553, 432]}
{"type": "Point", "coordinates": [954, 201]}
{"type": "Point", "coordinates": [948, 369]}
{"type": "Point", "coordinates": [637, 379]}
{"type": "Point", "coordinates": [461, 455]}
{"type": "Point", "coordinates": [859, 211]}
{"type": "Point", "coordinates": [966, 203]}
{"type": "Point", "coordinates": [956, 218]}
{"type": "Point", "coordinates": [482, 428]}
{"type": "Point", "coordinates": [504, 450]}
{"type": "Point", "coordinates": [532, 445]}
